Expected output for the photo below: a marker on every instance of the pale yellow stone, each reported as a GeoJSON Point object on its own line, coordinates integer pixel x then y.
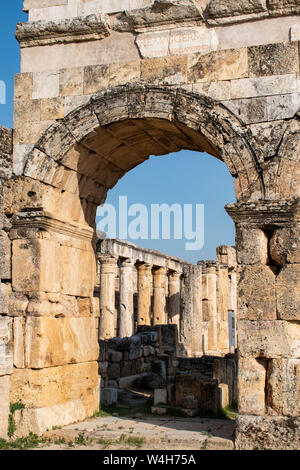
{"type": "Point", "coordinates": [251, 386]}
{"type": "Point", "coordinates": [59, 341]}
{"type": "Point", "coordinates": [36, 266]}
{"type": "Point", "coordinates": [53, 385]}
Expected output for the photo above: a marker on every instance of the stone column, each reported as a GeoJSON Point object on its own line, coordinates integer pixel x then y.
{"type": "Point", "coordinates": [222, 309]}
{"type": "Point", "coordinates": [209, 305]}
{"type": "Point", "coordinates": [159, 296]}
{"type": "Point", "coordinates": [192, 332]}
{"type": "Point", "coordinates": [232, 310]}
{"type": "Point", "coordinates": [126, 326]}
{"type": "Point", "coordinates": [107, 297]}
{"type": "Point", "coordinates": [144, 294]}
{"type": "Point", "coordinates": [174, 299]}
{"type": "Point", "coordinates": [268, 253]}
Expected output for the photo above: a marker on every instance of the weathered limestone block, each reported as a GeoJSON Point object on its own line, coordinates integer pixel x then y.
{"type": "Point", "coordinates": [283, 392]}
{"type": "Point", "coordinates": [59, 341]}
{"type": "Point", "coordinates": [19, 342]}
{"type": "Point", "coordinates": [252, 246]}
{"type": "Point", "coordinates": [5, 256]}
{"type": "Point", "coordinates": [262, 432]}
{"type": "Point", "coordinates": [226, 255]}
{"type": "Point", "coordinates": [5, 292]}
{"type": "Point", "coordinates": [4, 405]}
{"type": "Point", "coordinates": [222, 9]}
{"type": "Point", "coordinates": [283, 7]}
{"type": "Point", "coordinates": [193, 391]}
{"type": "Point", "coordinates": [39, 420]}
{"type": "Point", "coordinates": [256, 293]}
{"type": "Point", "coordinates": [269, 339]}
{"type": "Point", "coordinates": [215, 66]}
{"type": "Point", "coordinates": [79, 271]}
{"type": "Point", "coordinates": [285, 245]}
{"type": "Point", "coordinates": [155, 14]}
{"type": "Point", "coordinates": [54, 385]}
{"type": "Point", "coordinates": [165, 70]}
{"type": "Point", "coordinates": [6, 346]}
{"type": "Point", "coordinates": [273, 59]}
{"type": "Point", "coordinates": [251, 386]}
{"type": "Point", "coordinates": [288, 292]}
{"type": "Point", "coordinates": [36, 266]}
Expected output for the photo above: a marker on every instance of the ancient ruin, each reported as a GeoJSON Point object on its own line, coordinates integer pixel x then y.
{"type": "Point", "coordinates": [101, 89]}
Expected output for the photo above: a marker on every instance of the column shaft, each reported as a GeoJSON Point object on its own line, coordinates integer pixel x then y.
{"type": "Point", "coordinates": [144, 294]}
{"type": "Point", "coordinates": [159, 294]}
{"type": "Point", "coordinates": [126, 326]}
{"type": "Point", "coordinates": [107, 297]}
{"type": "Point", "coordinates": [174, 299]}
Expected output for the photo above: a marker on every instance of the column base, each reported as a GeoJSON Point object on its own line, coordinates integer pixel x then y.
{"type": "Point", "coordinates": [267, 432]}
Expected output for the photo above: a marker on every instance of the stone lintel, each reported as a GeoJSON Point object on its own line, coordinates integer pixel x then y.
{"type": "Point", "coordinates": [265, 214]}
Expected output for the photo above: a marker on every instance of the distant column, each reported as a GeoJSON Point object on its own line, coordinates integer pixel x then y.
{"type": "Point", "coordinates": [209, 304]}
{"type": "Point", "coordinates": [144, 294]}
{"type": "Point", "coordinates": [159, 296]}
{"type": "Point", "coordinates": [108, 266]}
{"type": "Point", "coordinates": [126, 327]}
{"type": "Point", "coordinates": [174, 299]}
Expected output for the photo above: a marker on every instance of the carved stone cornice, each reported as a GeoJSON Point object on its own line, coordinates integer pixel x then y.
{"type": "Point", "coordinates": [39, 221]}
{"type": "Point", "coordinates": [79, 29]}
{"type": "Point", "coordinates": [266, 214]}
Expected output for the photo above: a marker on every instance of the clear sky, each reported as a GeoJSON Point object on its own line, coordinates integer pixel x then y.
{"type": "Point", "coordinates": [185, 177]}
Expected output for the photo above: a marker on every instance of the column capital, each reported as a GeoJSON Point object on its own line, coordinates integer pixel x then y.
{"type": "Point", "coordinates": [263, 214]}
{"type": "Point", "coordinates": [126, 263]}
{"type": "Point", "coordinates": [107, 259]}
{"type": "Point", "coordinates": [174, 275]}
{"type": "Point", "coordinates": [143, 267]}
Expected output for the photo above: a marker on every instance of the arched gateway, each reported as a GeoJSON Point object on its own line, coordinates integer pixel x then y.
{"type": "Point", "coordinates": [92, 138]}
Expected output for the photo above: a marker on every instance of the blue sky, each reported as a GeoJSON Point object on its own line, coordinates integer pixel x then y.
{"type": "Point", "coordinates": [184, 177]}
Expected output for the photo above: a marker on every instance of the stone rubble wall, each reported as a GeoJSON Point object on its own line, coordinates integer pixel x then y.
{"type": "Point", "coordinates": [150, 360]}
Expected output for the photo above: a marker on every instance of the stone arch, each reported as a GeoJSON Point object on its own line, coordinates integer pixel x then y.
{"type": "Point", "coordinates": [125, 125]}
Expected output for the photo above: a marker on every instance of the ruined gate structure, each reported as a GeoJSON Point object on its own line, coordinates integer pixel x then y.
{"type": "Point", "coordinates": [103, 85]}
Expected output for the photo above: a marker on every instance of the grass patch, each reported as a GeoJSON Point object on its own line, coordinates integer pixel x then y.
{"type": "Point", "coordinates": [81, 440]}
{"type": "Point", "coordinates": [13, 407]}
{"type": "Point", "coordinates": [135, 441]}
{"type": "Point", "coordinates": [29, 442]}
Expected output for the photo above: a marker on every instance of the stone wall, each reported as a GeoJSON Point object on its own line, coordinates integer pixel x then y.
{"type": "Point", "coordinates": [6, 323]}
{"type": "Point", "coordinates": [149, 360]}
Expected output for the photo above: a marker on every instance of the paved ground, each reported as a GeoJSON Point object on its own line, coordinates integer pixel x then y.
{"type": "Point", "coordinates": [149, 433]}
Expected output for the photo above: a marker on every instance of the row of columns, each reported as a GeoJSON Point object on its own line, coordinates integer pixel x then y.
{"type": "Point", "coordinates": [108, 270]}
